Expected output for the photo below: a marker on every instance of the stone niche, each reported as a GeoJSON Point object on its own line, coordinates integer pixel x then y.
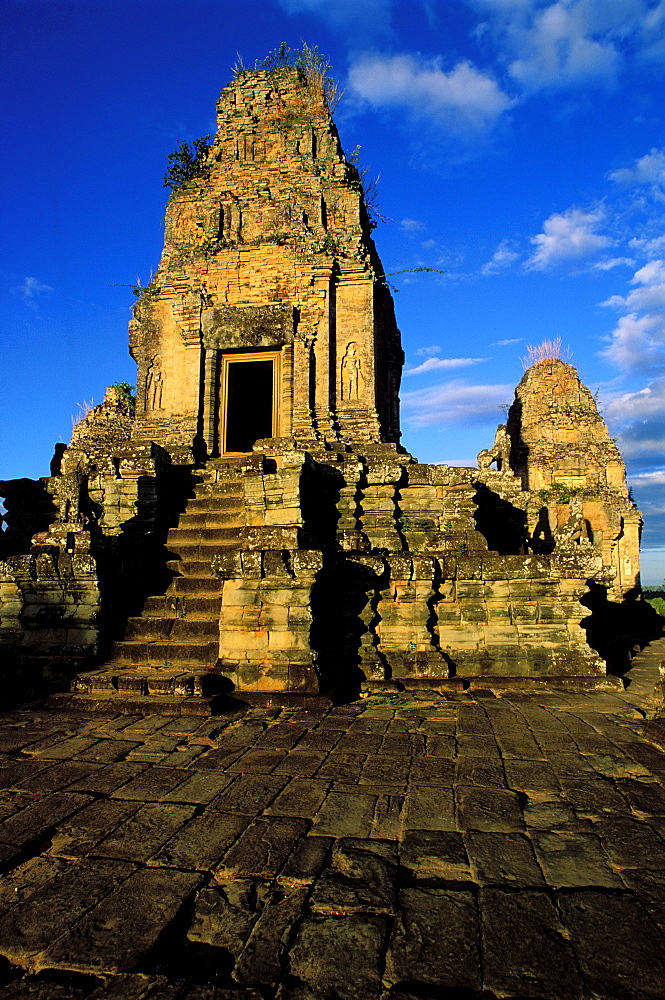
{"type": "Point", "coordinates": [249, 526]}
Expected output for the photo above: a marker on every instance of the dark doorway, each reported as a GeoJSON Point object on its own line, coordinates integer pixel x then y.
{"type": "Point", "coordinates": [249, 404]}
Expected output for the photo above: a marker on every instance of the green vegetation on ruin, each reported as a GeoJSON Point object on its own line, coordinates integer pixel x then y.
{"type": "Point", "coordinates": [127, 395]}
{"type": "Point", "coordinates": [186, 162]}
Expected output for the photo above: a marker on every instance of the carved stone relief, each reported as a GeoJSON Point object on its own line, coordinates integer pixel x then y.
{"type": "Point", "coordinates": [247, 326]}
{"type": "Point", "coordinates": [352, 378]}
{"type": "Point", "coordinates": [154, 385]}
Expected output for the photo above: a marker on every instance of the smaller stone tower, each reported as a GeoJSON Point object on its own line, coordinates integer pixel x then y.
{"type": "Point", "coordinates": [562, 451]}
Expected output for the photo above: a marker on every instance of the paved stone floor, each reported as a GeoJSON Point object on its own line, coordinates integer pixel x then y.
{"type": "Point", "coordinates": [480, 846]}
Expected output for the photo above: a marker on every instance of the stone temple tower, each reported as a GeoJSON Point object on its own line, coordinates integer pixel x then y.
{"type": "Point", "coordinates": [562, 450]}
{"type": "Point", "coordinates": [269, 317]}
{"type": "Point", "coordinates": [248, 526]}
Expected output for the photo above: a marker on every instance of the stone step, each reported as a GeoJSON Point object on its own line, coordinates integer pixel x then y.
{"type": "Point", "coordinates": [180, 629]}
{"type": "Point", "coordinates": [190, 567]}
{"type": "Point", "coordinates": [191, 606]}
{"type": "Point", "coordinates": [177, 537]}
{"type": "Point", "coordinates": [233, 518]}
{"type": "Point", "coordinates": [202, 502]}
{"type": "Point", "coordinates": [192, 552]}
{"type": "Point", "coordinates": [146, 682]}
{"type": "Point", "coordinates": [221, 499]}
{"type": "Point", "coordinates": [120, 703]}
{"type": "Point", "coordinates": [209, 586]}
{"type": "Point", "coordinates": [162, 654]}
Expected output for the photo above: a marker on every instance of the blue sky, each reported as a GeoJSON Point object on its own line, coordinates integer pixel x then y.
{"type": "Point", "coordinates": [520, 145]}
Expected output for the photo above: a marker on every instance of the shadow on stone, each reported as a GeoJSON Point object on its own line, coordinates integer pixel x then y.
{"type": "Point", "coordinates": [133, 565]}
{"type": "Point", "coordinates": [338, 598]}
{"type": "Point", "coordinates": [502, 524]}
{"type": "Point", "coordinates": [616, 629]}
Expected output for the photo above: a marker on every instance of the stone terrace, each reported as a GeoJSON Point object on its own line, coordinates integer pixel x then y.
{"type": "Point", "coordinates": [469, 847]}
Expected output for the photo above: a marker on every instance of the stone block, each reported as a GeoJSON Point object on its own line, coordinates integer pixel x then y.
{"type": "Point", "coordinates": [460, 638]}
{"type": "Point", "coordinates": [593, 917]}
{"type": "Point", "coordinates": [524, 614]}
{"type": "Point", "coordinates": [520, 590]}
{"type": "Point", "coordinates": [287, 597]}
{"type": "Point", "coordinates": [248, 675]}
{"type": "Point", "coordinates": [273, 677]}
{"type": "Point", "coordinates": [262, 958]}
{"type": "Point", "coordinates": [299, 618]}
{"type": "Point", "coordinates": [448, 615]}
{"type": "Point", "coordinates": [307, 562]}
{"type": "Point", "coordinates": [344, 814]}
{"type": "Point", "coordinates": [274, 616]}
{"type": "Point", "coordinates": [342, 953]}
{"type": "Point", "coordinates": [239, 593]}
{"type": "Point", "coordinates": [525, 946]}
{"type": "Point", "coordinates": [263, 848]}
{"type": "Point", "coordinates": [470, 611]}
{"type": "Point", "coordinates": [435, 940]}
{"type": "Point", "coordinates": [545, 636]}
{"type": "Point", "coordinates": [288, 640]}
{"type": "Point", "coordinates": [503, 859]}
{"type": "Point", "coordinates": [276, 564]}
{"type": "Point", "coordinates": [224, 915]}
{"type": "Point", "coordinates": [497, 611]}
{"type": "Point", "coordinates": [95, 944]}
{"type": "Point", "coordinates": [359, 879]}
{"type": "Point", "coordinates": [469, 568]}
{"type": "Point", "coordinates": [242, 640]}
{"type": "Point", "coordinates": [303, 677]}
{"type": "Point", "coordinates": [571, 859]}
{"type": "Point", "coordinates": [492, 810]}
{"type": "Point", "coordinates": [551, 613]}
{"type": "Point", "coordinates": [30, 929]}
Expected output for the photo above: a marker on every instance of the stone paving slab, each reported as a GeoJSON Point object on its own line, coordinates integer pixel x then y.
{"type": "Point", "coordinates": [473, 846]}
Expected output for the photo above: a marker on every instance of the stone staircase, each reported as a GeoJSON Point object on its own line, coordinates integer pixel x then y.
{"type": "Point", "coordinates": [166, 660]}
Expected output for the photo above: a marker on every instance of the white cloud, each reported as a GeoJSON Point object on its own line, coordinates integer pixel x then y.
{"type": "Point", "coordinates": [31, 288]}
{"type": "Point", "coordinates": [569, 235]}
{"type": "Point", "coordinates": [609, 265]}
{"type": "Point", "coordinates": [639, 406]}
{"type": "Point", "coordinates": [505, 343]}
{"type": "Point", "coordinates": [434, 364]}
{"type": "Point", "coordinates": [427, 352]}
{"type": "Point", "coordinates": [654, 34]}
{"type": "Point", "coordinates": [503, 257]}
{"type": "Point", "coordinates": [651, 293]}
{"type": "Point", "coordinates": [556, 51]}
{"type": "Point", "coordinates": [461, 100]}
{"type": "Point", "coordinates": [639, 420]}
{"type": "Point", "coordinates": [649, 247]}
{"type": "Point", "coordinates": [656, 478]}
{"type": "Point", "coordinates": [454, 402]}
{"type": "Point", "coordinates": [637, 343]}
{"type": "Point", "coordinates": [571, 43]}
{"type": "Point", "coordinates": [412, 225]}
{"type": "Point", "coordinates": [648, 171]}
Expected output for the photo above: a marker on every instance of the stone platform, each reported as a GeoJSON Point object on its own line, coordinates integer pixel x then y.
{"type": "Point", "coordinates": [416, 846]}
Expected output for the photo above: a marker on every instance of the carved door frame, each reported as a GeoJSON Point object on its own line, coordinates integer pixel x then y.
{"type": "Point", "coordinates": [226, 360]}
